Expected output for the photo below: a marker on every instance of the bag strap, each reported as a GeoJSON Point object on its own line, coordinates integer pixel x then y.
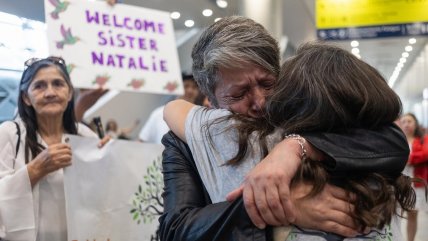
{"type": "Point", "coordinates": [18, 132]}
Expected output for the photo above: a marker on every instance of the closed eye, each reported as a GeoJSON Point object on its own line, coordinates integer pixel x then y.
{"type": "Point", "coordinates": [267, 85]}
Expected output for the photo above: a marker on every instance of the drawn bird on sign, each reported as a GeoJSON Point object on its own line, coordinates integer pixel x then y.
{"type": "Point", "coordinates": [59, 7]}
{"type": "Point", "coordinates": [68, 38]}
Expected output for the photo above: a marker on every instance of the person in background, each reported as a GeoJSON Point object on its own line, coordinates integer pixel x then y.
{"type": "Point", "coordinates": [236, 63]}
{"type": "Point", "coordinates": [155, 127]}
{"type": "Point", "coordinates": [32, 158]}
{"type": "Point", "coordinates": [123, 133]}
{"type": "Point", "coordinates": [417, 167]}
{"type": "Point", "coordinates": [202, 100]}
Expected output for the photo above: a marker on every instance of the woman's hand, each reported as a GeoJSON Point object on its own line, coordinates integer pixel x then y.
{"type": "Point", "coordinates": [266, 191]}
{"type": "Point", "coordinates": [329, 211]}
{"type": "Point", "coordinates": [54, 157]}
{"type": "Point", "coordinates": [104, 141]}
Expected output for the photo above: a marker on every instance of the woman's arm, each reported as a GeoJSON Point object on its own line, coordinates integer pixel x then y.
{"type": "Point", "coordinates": [175, 114]}
{"type": "Point", "coordinates": [382, 150]}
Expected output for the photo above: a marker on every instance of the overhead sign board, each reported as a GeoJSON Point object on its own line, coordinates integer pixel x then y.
{"type": "Point", "coordinates": [351, 19]}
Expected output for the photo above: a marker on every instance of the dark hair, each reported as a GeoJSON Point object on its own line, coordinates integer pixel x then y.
{"type": "Point", "coordinates": [187, 77]}
{"type": "Point", "coordinates": [325, 88]}
{"type": "Point", "coordinates": [418, 130]}
{"type": "Point", "coordinates": [109, 127]}
{"type": "Point", "coordinates": [28, 114]}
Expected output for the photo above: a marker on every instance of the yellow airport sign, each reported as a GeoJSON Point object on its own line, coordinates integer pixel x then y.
{"type": "Point", "coordinates": [356, 13]}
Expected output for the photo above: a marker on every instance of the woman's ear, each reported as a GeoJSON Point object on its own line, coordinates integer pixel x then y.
{"type": "Point", "coordinates": [26, 99]}
{"type": "Point", "coordinates": [70, 94]}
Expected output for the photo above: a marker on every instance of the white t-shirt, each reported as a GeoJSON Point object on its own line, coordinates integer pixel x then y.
{"type": "Point", "coordinates": [27, 213]}
{"type": "Point", "coordinates": [212, 145]}
{"type": "Point", "coordinates": [155, 127]}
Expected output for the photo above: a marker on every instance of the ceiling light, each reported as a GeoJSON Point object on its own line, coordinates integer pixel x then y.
{"type": "Point", "coordinates": [207, 12]}
{"type": "Point", "coordinates": [221, 3]}
{"type": "Point", "coordinates": [408, 48]}
{"type": "Point", "coordinates": [354, 43]}
{"type": "Point", "coordinates": [355, 51]}
{"type": "Point", "coordinates": [392, 80]}
{"type": "Point", "coordinates": [189, 23]}
{"type": "Point", "coordinates": [412, 41]}
{"type": "Point", "coordinates": [175, 15]}
{"type": "Point", "coordinates": [405, 55]}
{"type": "Point", "coordinates": [215, 20]}
{"type": "Point", "coordinates": [402, 60]}
{"type": "Point", "coordinates": [400, 65]}
{"type": "Point", "coordinates": [425, 93]}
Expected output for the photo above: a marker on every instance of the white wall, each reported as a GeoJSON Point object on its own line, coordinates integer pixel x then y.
{"type": "Point", "coordinates": [416, 80]}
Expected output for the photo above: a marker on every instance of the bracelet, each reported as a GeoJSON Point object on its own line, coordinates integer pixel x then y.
{"type": "Point", "coordinates": [301, 141]}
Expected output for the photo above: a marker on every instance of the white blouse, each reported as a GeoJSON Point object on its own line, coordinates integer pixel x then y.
{"type": "Point", "coordinates": [27, 213]}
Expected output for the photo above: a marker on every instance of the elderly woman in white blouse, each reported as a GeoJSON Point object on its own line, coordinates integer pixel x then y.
{"type": "Point", "coordinates": [33, 154]}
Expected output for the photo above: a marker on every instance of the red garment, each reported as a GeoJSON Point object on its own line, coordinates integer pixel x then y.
{"type": "Point", "coordinates": [419, 159]}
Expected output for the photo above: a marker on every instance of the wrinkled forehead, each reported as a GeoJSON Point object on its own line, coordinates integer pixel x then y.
{"type": "Point", "coordinates": [243, 75]}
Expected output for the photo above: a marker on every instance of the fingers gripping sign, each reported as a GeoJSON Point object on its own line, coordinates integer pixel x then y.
{"type": "Point", "coordinates": [54, 157]}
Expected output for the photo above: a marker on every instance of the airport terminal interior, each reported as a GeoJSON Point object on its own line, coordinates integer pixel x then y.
{"type": "Point", "coordinates": [388, 41]}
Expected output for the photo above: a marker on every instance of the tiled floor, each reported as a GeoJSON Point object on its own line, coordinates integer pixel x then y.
{"type": "Point", "coordinates": [422, 232]}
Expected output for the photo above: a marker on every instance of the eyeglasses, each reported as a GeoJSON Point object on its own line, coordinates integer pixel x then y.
{"type": "Point", "coordinates": [53, 59]}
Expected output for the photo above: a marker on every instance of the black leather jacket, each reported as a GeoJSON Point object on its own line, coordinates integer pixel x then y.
{"type": "Point", "coordinates": [189, 214]}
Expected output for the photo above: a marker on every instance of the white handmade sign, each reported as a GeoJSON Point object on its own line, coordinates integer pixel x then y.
{"type": "Point", "coordinates": [113, 193]}
{"type": "Point", "coordinates": [116, 47]}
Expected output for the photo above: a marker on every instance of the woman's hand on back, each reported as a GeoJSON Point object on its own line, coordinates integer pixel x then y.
{"type": "Point", "coordinates": [329, 211]}
{"type": "Point", "coordinates": [266, 191]}
{"type": "Point", "coordinates": [52, 158]}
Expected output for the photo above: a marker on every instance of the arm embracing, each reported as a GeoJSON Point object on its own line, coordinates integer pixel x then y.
{"type": "Point", "coordinates": [188, 212]}
{"type": "Point", "coordinates": [382, 150]}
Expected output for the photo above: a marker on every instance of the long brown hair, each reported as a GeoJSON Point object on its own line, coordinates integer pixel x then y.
{"type": "Point", "coordinates": [327, 89]}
